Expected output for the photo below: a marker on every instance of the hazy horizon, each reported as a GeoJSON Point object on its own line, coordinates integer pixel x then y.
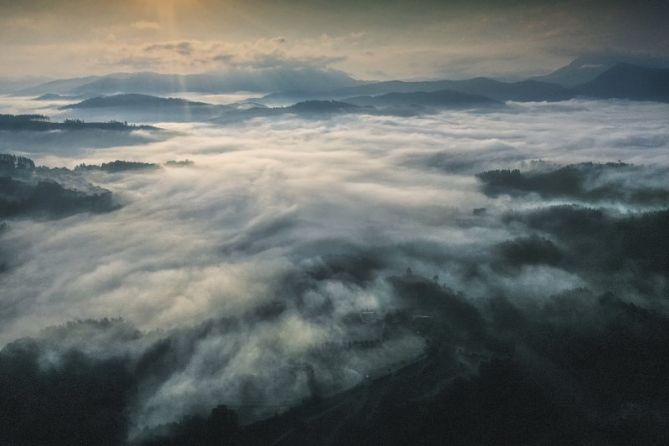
{"type": "Point", "coordinates": [374, 40]}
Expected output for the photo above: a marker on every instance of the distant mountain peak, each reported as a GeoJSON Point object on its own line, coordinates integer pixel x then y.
{"type": "Point", "coordinates": [268, 80]}
{"type": "Point", "coordinates": [629, 81]}
{"type": "Point", "coordinates": [587, 67]}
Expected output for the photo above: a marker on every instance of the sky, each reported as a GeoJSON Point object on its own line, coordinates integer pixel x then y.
{"type": "Point", "coordinates": [370, 40]}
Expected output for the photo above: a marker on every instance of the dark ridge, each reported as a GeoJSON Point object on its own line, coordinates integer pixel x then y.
{"type": "Point", "coordinates": [133, 101]}
{"type": "Point", "coordinates": [573, 370]}
{"type": "Point", "coordinates": [48, 198]}
{"type": "Point", "coordinates": [441, 98]}
{"type": "Point", "coordinates": [82, 401]}
{"type": "Point", "coordinates": [322, 107]}
{"type": "Point", "coordinates": [531, 250]}
{"type": "Point", "coordinates": [529, 90]}
{"type": "Point", "coordinates": [589, 182]}
{"type": "Point", "coordinates": [26, 190]}
{"type": "Point", "coordinates": [118, 166]}
{"type": "Point", "coordinates": [635, 246]}
{"type": "Point", "coordinates": [606, 80]}
{"type": "Point", "coordinates": [43, 123]}
{"type": "Point", "coordinates": [580, 367]}
{"type": "Point", "coordinates": [627, 81]}
{"type": "Point", "coordinates": [9, 162]}
{"type": "Point", "coordinates": [588, 66]}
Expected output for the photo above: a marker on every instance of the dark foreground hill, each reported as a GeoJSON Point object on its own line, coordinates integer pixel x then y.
{"type": "Point", "coordinates": [545, 377]}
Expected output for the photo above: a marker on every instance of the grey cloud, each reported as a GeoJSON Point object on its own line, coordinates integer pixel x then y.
{"type": "Point", "coordinates": [181, 48]}
{"type": "Point", "coordinates": [275, 59]}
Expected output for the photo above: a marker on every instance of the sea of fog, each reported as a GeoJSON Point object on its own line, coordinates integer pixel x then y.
{"type": "Point", "coordinates": [254, 265]}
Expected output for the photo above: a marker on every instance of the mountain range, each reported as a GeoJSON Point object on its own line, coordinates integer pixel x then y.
{"type": "Point", "coordinates": [627, 81]}
{"type": "Point", "coordinates": [489, 88]}
{"type": "Point", "coordinates": [617, 81]}
{"type": "Point", "coordinates": [133, 100]}
{"type": "Point", "coordinates": [586, 68]}
{"type": "Point", "coordinates": [440, 98]}
{"type": "Point", "coordinates": [269, 80]}
{"type": "Point", "coordinates": [621, 81]}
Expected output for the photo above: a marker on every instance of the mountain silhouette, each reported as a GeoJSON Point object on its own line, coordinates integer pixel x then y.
{"type": "Point", "coordinates": [133, 101]}
{"type": "Point", "coordinates": [275, 79]}
{"type": "Point", "coordinates": [627, 81]}
{"type": "Point", "coordinates": [322, 107]}
{"type": "Point", "coordinates": [603, 76]}
{"type": "Point", "coordinates": [587, 67]}
{"type": "Point", "coordinates": [40, 123]}
{"type": "Point", "coordinates": [441, 98]}
{"type": "Point", "coordinates": [529, 90]}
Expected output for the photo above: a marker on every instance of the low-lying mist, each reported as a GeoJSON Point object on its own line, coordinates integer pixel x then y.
{"type": "Point", "coordinates": [296, 258]}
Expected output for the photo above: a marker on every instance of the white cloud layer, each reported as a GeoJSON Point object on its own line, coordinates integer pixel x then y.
{"type": "Point", "coordinates": [268, 199]}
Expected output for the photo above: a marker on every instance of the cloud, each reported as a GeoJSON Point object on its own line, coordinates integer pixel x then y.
{"type": "Point", "coordinates": [181, 48]}
{"type": "Point", "coordinates": [215, 55]}
{"type": "Point", "coordinates": [297, 257]}
{"type": "Point", "coordinates": [276, 52]}
{"type": "Point", "coordinates": [274, 60]}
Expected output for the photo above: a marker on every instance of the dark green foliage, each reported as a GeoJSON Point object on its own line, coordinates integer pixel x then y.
{"type": "Point", "coordinates": [599, 242]}
{"type": "Point", "coordinates": [322, 107]}
{"type": "Point", "coordinates": [528, 251]}
{"type": "Point", "coordinates": [48, 198]}
{"type": "Point", "coordinates": [585, 182]}
{"type": "Point", "coordinates": [78, 401]}
{"type": "Point", "coordinates": [42, 123]}
{"type": "Point", "coordinates": [26, 190]}
{"type": "Point", "coordinates": [220, 428]}
{"type": "Point", "coordinates": [10, 162]}
{"type": "Point", "coordinates": [579, 369]}
{"type": "Point", "coordinates": [133, 100]}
